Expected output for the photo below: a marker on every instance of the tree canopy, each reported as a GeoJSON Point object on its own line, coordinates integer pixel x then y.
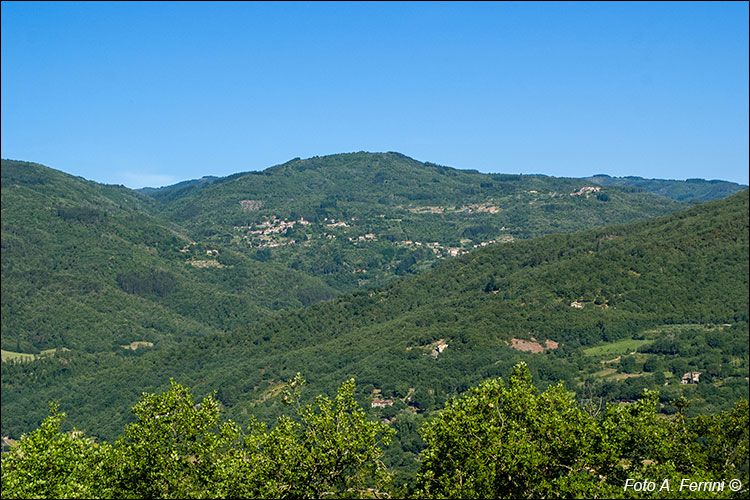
{"type": "Point", "coordinates": [499, 440]}
{"type": "Point", "coordinates": [507, 440]}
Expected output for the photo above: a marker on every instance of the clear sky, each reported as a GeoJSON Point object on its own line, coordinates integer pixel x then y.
{"type": "Point", "coordinates": [154, 93]}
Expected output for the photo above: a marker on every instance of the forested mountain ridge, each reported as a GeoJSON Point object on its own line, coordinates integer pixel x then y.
{"type": "Point", "coordinates": [92, 267]}
{"type": "Point", "coordinates": [88, 267]}
{"type": "Point", "coordinates": [690, 190]}
{"type": "Point", "coordinates": [608, 310]}
{"type": "Point", "coordinates": [174, 187]}
{"type": "Point", "coordinates": [359, 220]}
{"type": "Point", "coordinates": [214, 275]}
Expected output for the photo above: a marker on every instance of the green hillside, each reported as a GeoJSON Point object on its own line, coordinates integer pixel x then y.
{"type": "Point", "coordinates": [93, 267]}
{"type": "Point", "coordinates": [87, 267]}
{"type": "Point", "coordinates": [230, 285]}
{"type": "Point", "coordinates": [360, 220]}
{"type": "Point", "coordinates": [175, 187]}
{"type": "Point", "coordinates": [690, 190]}
{"type": "Point", "coordinates": [679, 283]}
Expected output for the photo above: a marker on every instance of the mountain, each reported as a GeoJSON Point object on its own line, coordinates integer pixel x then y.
{"type": "Point", "coordinates": [690, 190]}
{"type": "Point", "coordinates": [359, 220]}
{"type": "Point", "coordinates": [92, 267]}
{"type": "Point", "coordinates": [87, 267]}
{"type": "Point", "coordinates": [175, 188]}
{"type": "Point", "coordinates": [608, 310]}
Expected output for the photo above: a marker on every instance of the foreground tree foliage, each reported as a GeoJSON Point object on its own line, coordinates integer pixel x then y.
{"type": "Point", "coordinates": [499, 440]}
{"type": "Point", "coordinates": [50, 464]}
{"type": "Point", "coordinates": [509, 441]}
{"type": "Point", "coordinates": [178, 449]}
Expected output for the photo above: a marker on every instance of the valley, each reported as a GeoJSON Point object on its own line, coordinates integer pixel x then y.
{"type": "Point", "coordinates": [417, 280]}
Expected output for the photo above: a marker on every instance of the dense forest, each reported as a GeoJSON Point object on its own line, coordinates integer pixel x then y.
{"type": "Point", "coordinates": [108, 293]}
{"type": "Point", "coordinates": [498, 440]}
{"type": "Point", "coordinates": [690, 190]}
{"type": "Point", "coordinates": [376, 217]}
{"type": "Point", "coordinates": [89, 268]}
{"type": "Point", "coordinates": [219, 253]}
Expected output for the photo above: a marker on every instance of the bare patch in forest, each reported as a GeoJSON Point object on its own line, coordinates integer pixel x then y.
{"type": "Point", "coordinates": [532, 345]}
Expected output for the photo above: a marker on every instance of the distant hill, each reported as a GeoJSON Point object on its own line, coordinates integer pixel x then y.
{"type": "Point", "coordinates": [359, 220]}
{"type": "Point", "coordinates": [608, 310]}
{"type": "Point", "coordinates": [690, 190]}
{"type": "Point", "coordinates": [88, 267]}
{"type": "Point", "coordinates": [231, 284]}
{"type": "Point", "coordinates": [177, 188]}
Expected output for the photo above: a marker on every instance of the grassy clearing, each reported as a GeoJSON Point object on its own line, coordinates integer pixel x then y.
{"type": "Point", "coordinates": [623, 376]}
{"type": "Point", "coordinates": [51, 352]}
{"type": "Point", "coordinates": [22, 356]}
{"type": "Point", "coordinates": [17, 356]}
{"type": "Point", "coordinates": [625, 346]}
{"type": "Point", "coordinates": [136, 344]}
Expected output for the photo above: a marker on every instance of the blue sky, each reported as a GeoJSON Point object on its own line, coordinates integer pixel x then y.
{"type": "Point", "coordinates": [154, 93]}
